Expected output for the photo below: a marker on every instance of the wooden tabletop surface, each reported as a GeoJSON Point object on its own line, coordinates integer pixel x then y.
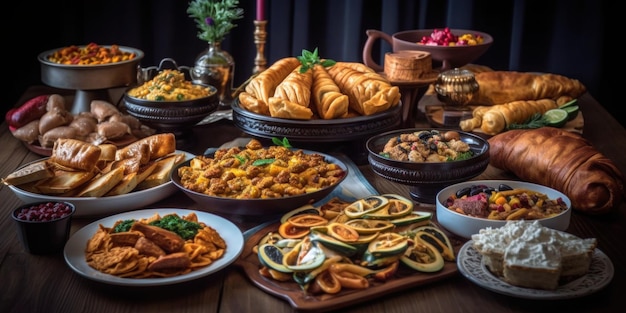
{"type": "Point", "coordinates": [45, 283]}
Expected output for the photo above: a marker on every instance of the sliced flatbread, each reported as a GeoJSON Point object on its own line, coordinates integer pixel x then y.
{"type": "Point", "coordinates": [99, 186]}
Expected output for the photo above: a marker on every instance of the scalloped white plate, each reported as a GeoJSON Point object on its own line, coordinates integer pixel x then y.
{"type": "Point", "coordinates": [470, 264]}
{"type": "Point", "coordinates": [74, 251]}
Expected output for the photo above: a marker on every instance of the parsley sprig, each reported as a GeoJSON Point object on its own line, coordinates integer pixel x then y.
{"type": "Point", "coordinates": [308, 60]}
{"type": "Point", "coordinates": [535, 121]}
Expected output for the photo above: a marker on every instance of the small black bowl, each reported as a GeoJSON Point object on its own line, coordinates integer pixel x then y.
{"type": "Point", "coordinates": [44, 227]}
{"type": "Point", "coordinates": [426, 179]}
{"type": "Point", "coordinates": [177, 117]}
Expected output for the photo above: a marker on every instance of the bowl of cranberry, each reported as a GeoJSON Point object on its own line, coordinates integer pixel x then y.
{"type": "Point", "coordinates": [44, 227]}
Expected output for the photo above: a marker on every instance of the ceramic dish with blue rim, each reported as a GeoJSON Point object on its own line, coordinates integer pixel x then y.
{"type": "Point", "coordinates": [74, 251]}
{"type": "Point", "coordinates": [470, 264]}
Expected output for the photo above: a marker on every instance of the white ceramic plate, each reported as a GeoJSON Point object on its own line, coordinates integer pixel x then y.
{"type": "Point", "coordinates": [94, 206]}
{"type": "Point", "coordinates": [470, 264]}
{"type": "Point", "coordinates": [74, 251]}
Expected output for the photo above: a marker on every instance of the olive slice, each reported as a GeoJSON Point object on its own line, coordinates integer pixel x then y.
{"type": "Point", "coordinates": [342, 232]}
{"type": "Point", "coordinates": [369, 226]}
{"type": "Point", "coordinates": [364, 206]}
{"type": "Point", "coordinates": [307, 220]}
{"type": "Point", "coordinates": [436, 238]}
{"type": "Point", "coordinates": [290, 231]}
{"type": "Point", "coordinates": [272, 257]}
{"type": "Point", "coordinates": [423, 257]}
{"type": "Point", "coordinates": [387, 244]}
{"type": "Point", "coordinates": [304, 257]}
{"type": "Point", "coordinates": [305, 209]}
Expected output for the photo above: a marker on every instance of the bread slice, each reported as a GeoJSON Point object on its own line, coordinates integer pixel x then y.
{"type": "Point", "coordinates": [99, 186]}
{"type": "Point", "coordinates": [126, 185]}
{"type": "Point", "coordinates": [30, 173]}
{"type": "Point", "coordinates": [161, 173]}
{"type": "Point", "coordinates": [63, 181]}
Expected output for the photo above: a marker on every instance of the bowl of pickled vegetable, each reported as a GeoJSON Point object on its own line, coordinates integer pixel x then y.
{"type": "Point", "coordinates": [427, 160]}
{"type": "Point", "coordinates": [466, 208]}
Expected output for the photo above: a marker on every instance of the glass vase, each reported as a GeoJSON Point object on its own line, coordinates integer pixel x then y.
{"type": "Point", "coordinates": [215, 67]}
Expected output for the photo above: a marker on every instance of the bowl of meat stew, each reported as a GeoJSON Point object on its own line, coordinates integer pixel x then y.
{"type": "Point", "coordinates": [466, 208]}
{"type": "Point", "coordinates": [427, 160]}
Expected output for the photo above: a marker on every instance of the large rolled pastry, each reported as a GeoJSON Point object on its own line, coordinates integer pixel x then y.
{"type": "Point", "coordinates": [292, 96]}
{"type": "Point", "coordinates": [328, 100]}
{"type": "Point", "coordinates": [256, 96]}
{"type": "Point", "coordinates": [564, 161]}
{"type": "Point", "coordinates": [369, 93]}
{"type": "Point", "coordinates": [497, 87]}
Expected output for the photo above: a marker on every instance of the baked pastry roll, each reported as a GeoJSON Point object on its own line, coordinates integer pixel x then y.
{"type": "Point", "coordinates": [292, 96]}
{"type": "Point", "coordinates": [328, 100]}
{"type": "Point", "coordinates": [561, 160]}
{"type": "Point", "coordinates": [369, 93]}
{"type": "Point", "coordinates": [497, 87]}
{"type": "Point", "coordinates": [75, 154]}
{"type": "Point", "coordinates": [262, 86]}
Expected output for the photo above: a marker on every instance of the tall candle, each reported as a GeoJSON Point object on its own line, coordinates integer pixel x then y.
{"type": "Point", "coordinates": [260, 10]}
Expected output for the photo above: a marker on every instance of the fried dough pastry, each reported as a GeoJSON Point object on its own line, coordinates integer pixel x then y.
{"type": "Point", "coordinates": [75, 154]}
{"type": "Point", "coordinates": [328, 100]}
{"type": "Point", "coordinates": [292, 96]}
{"type": "Point", "coordinates": [497, 87]}
{"type": "Point", "coordinates": [257, 93]}
{"type": "Point", "coordinates": [369, 93]}
{"type": "Point", "coordinates": [561, 160]}
{"type": "Point", "coordinates": [496, 118]}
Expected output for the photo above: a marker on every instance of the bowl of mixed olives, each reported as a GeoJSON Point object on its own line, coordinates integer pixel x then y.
{"type": "Point", "coordinates": [466, 208]}
{"type": "Point", "coordinates": [427, 160]}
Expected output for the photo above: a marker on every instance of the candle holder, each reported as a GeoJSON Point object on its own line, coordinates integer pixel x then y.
{"type": "Point", "coordinates": [260, 35]}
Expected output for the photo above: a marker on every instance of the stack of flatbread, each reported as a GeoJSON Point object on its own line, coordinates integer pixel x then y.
{"type": "Point", "coordinates": [338, 91]}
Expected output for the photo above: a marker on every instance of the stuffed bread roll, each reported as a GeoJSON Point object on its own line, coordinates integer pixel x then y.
{"type": "Point", "coordinates": [369, 93]}
{"type": "Point", "coordinates": [292, 96]}
{"type": "Point", "coordinates": [497, 87]}
{"type": "Point", "coordinates": [75, 154]}
{"type": "Point", "coordinates": [328, 100]}
{"type": "Point", "coordinates": [498, 117]}
{"type": "Point", "coordinates": [262, 86]}
{"type": "Point", "coordinates": [561, 160]}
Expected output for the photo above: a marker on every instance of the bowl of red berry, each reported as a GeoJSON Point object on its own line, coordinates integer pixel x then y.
{"type": "Point", "coordinates": [44, 227]}
{"type": "Point", "coordinates": [449, 48]}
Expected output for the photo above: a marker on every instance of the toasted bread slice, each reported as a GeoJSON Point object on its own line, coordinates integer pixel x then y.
{"type": "Point", "coordinates": [126, 185]}
{"type": "Point", "coordinates": [161, 174]}
{"type": "Point", "coordinates": [100, 185]}
{"type": "Point", "coordinates": [30, 173]}
{"type": "Point", "coordinates": [63, 181]}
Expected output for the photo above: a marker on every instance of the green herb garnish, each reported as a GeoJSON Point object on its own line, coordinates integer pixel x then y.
{"type": "Point", "coordinates": [285, 143]}
{"type": "Point", "coordinates": [260, 162]}
{"type": "Point", "coordinates": [308, 59]}
{"type": "Point", "coordinates": [535, 121]}
{"type": "Point", "coordinates": [185, 229]}
{"type": "Point", "coordinates": [124, 226]}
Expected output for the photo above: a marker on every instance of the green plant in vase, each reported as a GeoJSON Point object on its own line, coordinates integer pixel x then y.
{"type": "Point", "coordinates": [214, 66]}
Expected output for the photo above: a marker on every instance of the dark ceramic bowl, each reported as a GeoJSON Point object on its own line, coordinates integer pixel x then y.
{"type": "Point", "coordinates": [426, 179]}
{"type": "Point", "coordinates": [257, 207]}
{"type": "Point", "coordinates": [449, 56]}
{"type": "Point", "coordinates": [44, 227]}
{"type": "Point", "coordinates": [344, 135]}
{"type": "Point", "coordinates": [177, 117]}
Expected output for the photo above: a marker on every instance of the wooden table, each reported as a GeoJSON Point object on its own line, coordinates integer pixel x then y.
{"type": "Point", "coordinates": [31, 283]}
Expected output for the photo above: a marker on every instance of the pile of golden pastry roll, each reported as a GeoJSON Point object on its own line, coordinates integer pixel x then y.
{"type": "Point", "coordinates": [509, 97]}
{"type": "Point", "coordinates": [345, 89]}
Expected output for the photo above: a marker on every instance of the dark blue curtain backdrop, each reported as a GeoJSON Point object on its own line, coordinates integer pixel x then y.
{"type": "Point", "coordinates": [572, 38]}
